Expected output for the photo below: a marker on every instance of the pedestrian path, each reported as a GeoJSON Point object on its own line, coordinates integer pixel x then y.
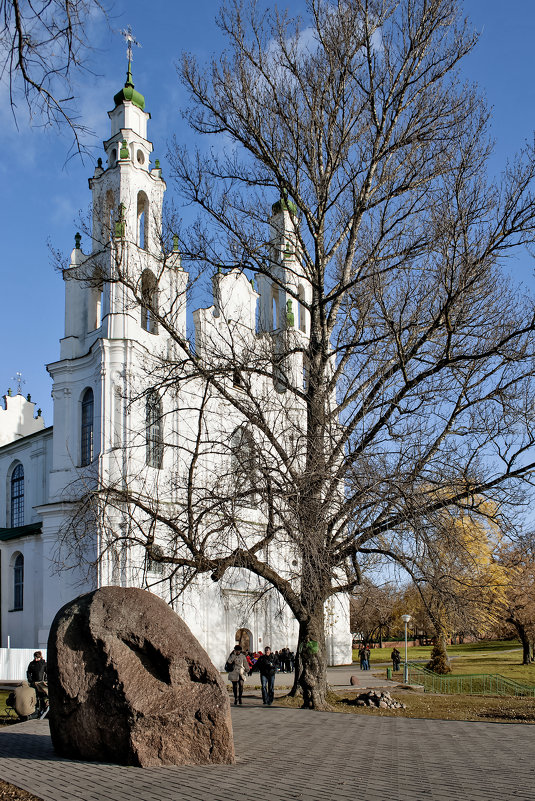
{"type": "Point", "coordinates": [340, 677]}
{"type": "Point", "coordinates": [337, 677]}
{"type": "Point", "coordinates": [298, 755]}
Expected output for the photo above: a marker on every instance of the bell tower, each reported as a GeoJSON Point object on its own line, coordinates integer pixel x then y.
{"type": "Point", "coordinates": [284, 290]}
{"type": "Point", "coordinates": [129, 181]}
{"type": "Point", "coordinates": [117, 293]}
{"type": "Point", "coordinates": [285, 293]}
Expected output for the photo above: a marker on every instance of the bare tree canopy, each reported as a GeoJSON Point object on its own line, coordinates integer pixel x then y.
{"type": "Point", "coordinates": [518, 605]}
{"type": "Point", "coordinates": [375, 610]}
{"type": "Point", "coordinates": [42, 44]}
{"type": "Point", "coordinates": [404, 387]}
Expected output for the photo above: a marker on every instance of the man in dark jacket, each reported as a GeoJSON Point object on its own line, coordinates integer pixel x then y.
{"type": "Point", "coordinates": [267, 667]}
{"type": "Point", "coordinates": [36, 669]}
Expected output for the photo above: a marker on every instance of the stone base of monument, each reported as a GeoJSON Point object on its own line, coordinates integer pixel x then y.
{"type": "Point", "coordinates": [130, 684]}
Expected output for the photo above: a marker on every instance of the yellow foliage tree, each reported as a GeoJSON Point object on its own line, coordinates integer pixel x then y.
{"type": "Point", "coordinates": [456, 569]}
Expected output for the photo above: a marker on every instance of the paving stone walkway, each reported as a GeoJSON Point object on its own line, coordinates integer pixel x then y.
{"type": "Point", "coordinates": [295, 755]}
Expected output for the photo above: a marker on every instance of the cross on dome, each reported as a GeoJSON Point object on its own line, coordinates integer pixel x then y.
{"type": "Point", "coordinates": [129, 38]}
{"type": "Point", "coordinates": [128, 92]}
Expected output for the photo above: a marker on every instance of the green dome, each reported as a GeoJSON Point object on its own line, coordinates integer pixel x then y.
{"type": "Point", "coordinates": [129, 93]}
{"type": "Point", "coordinates": [284, 205]}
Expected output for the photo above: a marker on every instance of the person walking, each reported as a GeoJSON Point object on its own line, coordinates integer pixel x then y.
{"type": "Point", "coordinates": [286, 664]}
{"type": "Point", "coordinates": [250, 662]}
{"type": "Point", "coordinates": [239, 668]}
{"type": "Point", "coordinates": [267, 667]}
{"type": "Point", "coordinates": [291, 661]}
{"type": "Point", "coordinates": [395, 656]}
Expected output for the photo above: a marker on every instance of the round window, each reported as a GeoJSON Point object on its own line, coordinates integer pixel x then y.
{"type": "Point", "coordinates": [140, 157]}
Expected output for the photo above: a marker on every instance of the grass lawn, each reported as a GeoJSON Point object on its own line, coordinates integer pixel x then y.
{"type": "Point", "coordinates": [499, 656]}
{"type": "Point", "coordinates": [5, 716]}
{"type": "Point", "coordinates": [487, 647]}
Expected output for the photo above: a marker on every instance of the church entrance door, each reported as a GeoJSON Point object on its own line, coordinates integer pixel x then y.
{"type": "Point", "coordinates": [244, 638]}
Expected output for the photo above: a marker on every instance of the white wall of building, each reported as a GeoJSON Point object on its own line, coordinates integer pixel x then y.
{"type": "Point", "coordinates": [18, 418]}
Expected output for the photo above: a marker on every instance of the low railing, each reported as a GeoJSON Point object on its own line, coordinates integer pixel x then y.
{"type": "Point", "coordinates": [468, 684]}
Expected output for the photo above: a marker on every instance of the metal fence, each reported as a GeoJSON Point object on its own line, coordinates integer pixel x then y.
{"type": "Point", "coordinates": [469, 684]}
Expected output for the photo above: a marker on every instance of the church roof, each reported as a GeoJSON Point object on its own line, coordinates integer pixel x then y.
{"type": "Point", "coordinates": [284, 204]}
{"type": "Point", "coordinates": [129, 93]}
{"type": "Point", "coordinates": [20, 531]}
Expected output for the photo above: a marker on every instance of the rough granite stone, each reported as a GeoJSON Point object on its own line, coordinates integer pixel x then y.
{"type": "Point", "coordinates": [130, 684]}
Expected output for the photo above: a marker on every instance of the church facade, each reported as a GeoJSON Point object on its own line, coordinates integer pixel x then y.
{"type": "Point", "coordinates": [112, 427]}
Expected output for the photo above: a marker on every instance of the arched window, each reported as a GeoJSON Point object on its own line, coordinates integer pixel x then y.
{"type": "Point", "coordinates": [17, 496]}
{"type": "Point", "coordinates": [18, 582]}
{"type": "Point", "coordinates": [149, 302]}
{"type": "Point", "coordinates": [108, 217]}
{"type": "Point", "coordinates": [86, 433]}
{"type": "Point", "coordinates": [143, 220]}
{"type": "Point", "coordinates": [280, 370]}
{"type": "Point", "coordinates": [154, 430]}
{"type": "Point", "coordinates": [274, 309]}
{"type": "Point", "coordinates": [244, 464]}
{"type": "Point", "coordinates": [94, 307]}
{"type": "Point", "coordinates": [301, 314]}
{"type": "Point", "coordinates": [100, 306]}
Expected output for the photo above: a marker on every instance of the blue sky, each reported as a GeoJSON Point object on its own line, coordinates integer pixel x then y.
{"type": "Point", "coordinates": [43, 193]}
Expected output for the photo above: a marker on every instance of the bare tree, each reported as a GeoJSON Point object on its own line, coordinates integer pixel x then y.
{"type": "Point", "coordinates": [418, 351]}
{"type": "Point", "coordinates": [518, 606]}
{"type": "Point", "coordinates": [42, 44]}
{"type": "Point", "coordinates": [374, 608]}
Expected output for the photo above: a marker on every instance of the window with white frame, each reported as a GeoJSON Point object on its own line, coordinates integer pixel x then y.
{"type": "Point", "coordinates": [154, 430]}
{"type": "Point", "coordinates": [244, 465]}
{"type": "Point", "coordinates": [18, 582]}
{"type": "Point", "coordinates": [149, 302]}
{"type": "Point", "coordinates": [17, 496]}
{"type": "Point", "coordinates": [86, 431]}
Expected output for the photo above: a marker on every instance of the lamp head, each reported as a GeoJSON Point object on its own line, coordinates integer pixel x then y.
{"type": "Point", "coordinates": [405, 618]}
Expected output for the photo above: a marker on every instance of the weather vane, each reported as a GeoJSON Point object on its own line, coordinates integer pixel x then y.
{"type": "Point", "coordinates": [130, 40]}
{"type": "Point", "coordinates": [20, 381]}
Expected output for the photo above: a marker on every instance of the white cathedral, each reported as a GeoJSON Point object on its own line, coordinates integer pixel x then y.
{"type": "Point", "coordinates": [101, 430]}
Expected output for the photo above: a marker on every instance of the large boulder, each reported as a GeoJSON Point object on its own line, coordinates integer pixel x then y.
{"type": "Point", "coordinates": [129, 683]}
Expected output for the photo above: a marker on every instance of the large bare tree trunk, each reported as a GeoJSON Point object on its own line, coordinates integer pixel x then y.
{"type": "Point", "coordinates": [312, 675]}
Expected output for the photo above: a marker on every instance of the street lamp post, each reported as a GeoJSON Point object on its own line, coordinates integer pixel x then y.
{"type": "Point", "coordinates": [405, 619]}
